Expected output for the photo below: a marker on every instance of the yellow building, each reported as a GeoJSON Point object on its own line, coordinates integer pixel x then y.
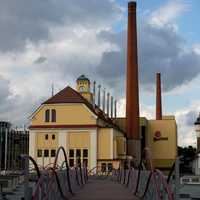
{"type": "Point", "coordinates": [160, 136]}
{"type": "Point", "coordinates": [71, 120]}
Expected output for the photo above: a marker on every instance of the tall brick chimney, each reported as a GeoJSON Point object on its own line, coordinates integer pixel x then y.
{"type": "Point", "coordinates": [132, 91]}
{"type": "Point", "coordinates": [158, 97]}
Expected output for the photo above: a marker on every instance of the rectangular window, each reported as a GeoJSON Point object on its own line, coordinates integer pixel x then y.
{"type": "Point", "coordinates": [46, 153]}
{"type": "Point", "coordinates": [78, 153]}
{"type": "Point", "coordinates": [103, 167]}
{"type": "Point", "coordinates": [85, 153]}
{"type": "Point", "coordinates": [78, 161]}
{"type": "Point", "coordinates": [39, 153]}
{"type": "Point", "coordinates": [71, 153]}
{"type": "Point", "coordinates": [71, 162]}
{"type": "Point", "coordinates": [53, 152]}
{"type": "Point", "coordinates": [85, 162]}
{"type": "Point", "coordinates": [110, 167]}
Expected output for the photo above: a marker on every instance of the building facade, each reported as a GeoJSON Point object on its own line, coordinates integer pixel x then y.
{"type": "Point", "coordinates": [71, 120]}
{"type": "Point", "coordinates": [89, 135]}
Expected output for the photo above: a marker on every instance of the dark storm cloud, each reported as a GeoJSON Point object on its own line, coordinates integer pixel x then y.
{"type": "Point", "coordinates": [160, 49]}
{"type": "Point", "coordinates": [163, 50]}
{"type": "Point", "coordinates": [27, 20]}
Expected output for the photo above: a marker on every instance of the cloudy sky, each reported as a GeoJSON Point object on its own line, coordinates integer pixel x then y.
{"type": "Point", "coordinates": [45, 42]}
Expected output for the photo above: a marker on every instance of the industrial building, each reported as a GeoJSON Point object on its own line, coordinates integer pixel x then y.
{"type": "Point", "coordinates": [91, 134]}
{"type": "Point", "coordinates": [13, 143]}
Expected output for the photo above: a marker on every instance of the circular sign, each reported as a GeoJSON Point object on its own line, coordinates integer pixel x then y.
{"type": "Point", "coordinates": [157, 134]}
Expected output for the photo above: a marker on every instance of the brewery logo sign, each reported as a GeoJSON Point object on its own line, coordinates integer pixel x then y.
{"type": "Point", "coordinates": [158, 136]}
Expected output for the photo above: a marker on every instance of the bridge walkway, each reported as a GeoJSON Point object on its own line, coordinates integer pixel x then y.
{"type": "Point", "coordinates": [97, 189]}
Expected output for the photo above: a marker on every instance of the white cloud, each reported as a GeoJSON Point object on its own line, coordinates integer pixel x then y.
{"type": "Point", "coordinates": [68, 44]}
{"type": "Point", "coordinates": [167, 13]}
{"type": "Point", "coordinates": [185, 120]}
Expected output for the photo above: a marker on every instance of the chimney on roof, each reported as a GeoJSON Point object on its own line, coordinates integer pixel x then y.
{"type": "Point", "coordinates": [132, 91]}
{"type": "Point", "coordinates": [158, 97]}
{"type": "Point", "coordinates": [104, 100]}
{"type": "Point", "coordinates": [108, 104]}
{"type": "Point", "coordinates": [115, 109]}
{"type": "Point", "coordinates": [99, 96]}
{"type": "Point", "coordinates": [94, 93]}
{"type": "Point", "coordinates": [111, 108]}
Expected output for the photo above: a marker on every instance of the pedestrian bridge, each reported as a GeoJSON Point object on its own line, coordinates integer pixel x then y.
{"type": "Point", "coordinates": [103, 189]}
{"type": "Point", "coordinates": [62, 182]}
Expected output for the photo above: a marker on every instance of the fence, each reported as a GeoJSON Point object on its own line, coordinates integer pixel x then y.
{"type": "Point", "coordinates": [13, 143]}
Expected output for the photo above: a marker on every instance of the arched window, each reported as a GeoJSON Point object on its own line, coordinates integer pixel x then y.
{"type": "Point", "coordinates": [53, 117]}
{"type": "Point", "coordinates": [47, 115]}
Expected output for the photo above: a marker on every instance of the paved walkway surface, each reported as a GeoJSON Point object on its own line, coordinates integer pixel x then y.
{"type": "Point", "coordinates": [103, 190]}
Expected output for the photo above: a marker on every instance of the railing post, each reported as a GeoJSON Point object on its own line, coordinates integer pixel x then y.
{"type": "Point", "coordinates": [6, 149]}
{"type": "Point", "coordinates": [27, 189]}
{"type": "Point", "coordinates": [177, 177]}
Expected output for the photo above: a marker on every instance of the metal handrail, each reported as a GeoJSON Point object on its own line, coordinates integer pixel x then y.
{"type": "Point", "coordinates": [155, 175]}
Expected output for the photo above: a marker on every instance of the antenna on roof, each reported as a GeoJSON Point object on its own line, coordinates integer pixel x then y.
{"type": "Point", "coordinates": [52, 89]}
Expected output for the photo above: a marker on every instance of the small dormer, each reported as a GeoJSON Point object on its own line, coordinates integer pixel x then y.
{"type": "Point", "coordinates": [83, 87]}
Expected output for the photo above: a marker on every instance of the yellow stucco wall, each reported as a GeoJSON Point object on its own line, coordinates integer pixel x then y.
{"type": "Point", "coordinates": [121, 146]}
{"type": "Point", "coordinates": [163, 151]}
{"type": "Point", "coordinates": [87, 95]}
{"type": "Point", "coordinates": [105, 143]}
{"type": "Point", "coordinates": [68, 114]}
{"type": "Point", "coordinates": [42, 143]}
{"type": "Point", "coordinates": [79, 139]}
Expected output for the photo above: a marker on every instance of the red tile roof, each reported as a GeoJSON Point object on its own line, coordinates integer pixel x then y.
{"type": "Point", "coordinates": [67, 95]}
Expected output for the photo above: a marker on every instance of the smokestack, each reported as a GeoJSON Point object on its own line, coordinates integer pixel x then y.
{"type": "Point", "coordinates": [132, 93]}
{"type": "Point", "coordinates": [115, 105]}
{"type": "Point", "coordinates": [158, 97]}
{"type": "Point", "coordinates": [99, 96]}
{"type": "Point", "coordinates": [94, 93]}
{"type": "Point", "coordinates": [108, 104]}
{"type": "Point", "coordinates": [104, 99]}
{"type": "Point", "coordinates": [111, 107]}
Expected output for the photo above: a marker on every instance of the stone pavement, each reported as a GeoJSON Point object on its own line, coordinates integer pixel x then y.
{"type": "Point", "coordinates": [103, 190]}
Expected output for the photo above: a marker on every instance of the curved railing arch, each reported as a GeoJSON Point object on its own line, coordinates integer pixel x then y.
{"type": "Point", "coordinates": [24, 156]}
{"type": "Point", "coordinates": [52, 173]}
{"type": "Point", "coordinates": [66, 163]}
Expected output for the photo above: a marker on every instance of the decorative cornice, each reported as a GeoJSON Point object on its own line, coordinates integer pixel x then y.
{"type": "Point", "coordinates": [64, 126]}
